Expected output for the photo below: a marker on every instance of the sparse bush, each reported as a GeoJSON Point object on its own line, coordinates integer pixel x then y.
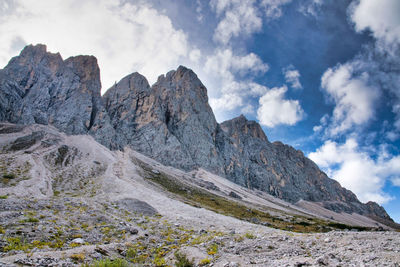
{"type": "Point", "coordinates": [182, 260]}
{"type": "Point", "coordinates": [250, 236]}
{"type": "Point", "coordinates": [78, 257]}
{"type": "Point", "coordinates": [9, 176]}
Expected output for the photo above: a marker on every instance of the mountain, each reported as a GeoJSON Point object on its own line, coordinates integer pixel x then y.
{"type": "Point", "coordinates": [170, 121]}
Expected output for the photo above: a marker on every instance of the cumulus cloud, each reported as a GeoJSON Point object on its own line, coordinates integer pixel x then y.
{"type": "Point", "coordinates": [355, 99]}
{"type": "Point", "coordinates": [238, 17]}
{"type": "Point", "coordinates": [124, 37]}
{"type": "Point", "coordinates": [292, 76]}
{"type": "Point", "coordinates": [275, 109]}
{"type": "Point", "coordinates": [380, 17]}
{"type": "Point", "coordinates": [243, 17]}
{"type": "Point", "coordinates": [225, 63]}
{"type": "Point", "coordinates": [356, 170]}
{"type": "Point", "coordinates": [230, 74]}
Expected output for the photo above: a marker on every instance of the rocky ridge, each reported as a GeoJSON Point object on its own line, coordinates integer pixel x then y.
{"type": "Point", "coordinates": [170, 121]}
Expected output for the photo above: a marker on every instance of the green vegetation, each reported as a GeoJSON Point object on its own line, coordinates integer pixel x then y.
{"type": "Point", "coordinates": [78, 257]}
{"type": "Point", "coordinates": [182, 260]}
{"type": "Point", "coordinates": [250, 236]}
{"type": "Point", "coordinates": [108, 263]}
{"type": "Point", "coordinates": [212, 249]}
{"type": "Point", "coordinates": [30, 220]}
{"type": "Point", "coordinates": [3, 196]}
{"type": "Point", "coordinates": [348, 227]}
{"type": "Point", "coordinates": [201, 198]}
{"type": "Point", "coordinates": [204, 262]}
{"type": "Point", "coordinates": [9, 176]}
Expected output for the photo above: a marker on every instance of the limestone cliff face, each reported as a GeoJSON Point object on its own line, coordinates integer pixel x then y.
{"type": "Point", "coordinates": [170, 121]}
{"type": "Point", "coordinates": [40, 87]}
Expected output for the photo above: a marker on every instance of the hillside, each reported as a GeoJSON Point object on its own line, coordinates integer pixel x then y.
{"type": "Point", "coordinates": [68, 200]}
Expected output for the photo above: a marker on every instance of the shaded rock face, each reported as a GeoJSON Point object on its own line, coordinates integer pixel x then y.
{"type": "Point", "coordinates": [40, 87]}
{"type": "Point", "coordinates": [276, 168]}
{"type": "Point", "coordinates": [170, 121]}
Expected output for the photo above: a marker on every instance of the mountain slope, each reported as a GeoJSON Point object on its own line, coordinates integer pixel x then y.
{"type": "Point", "coordinates": [66, 200]}
{"type": "Point", "coordinates": [170, 122]}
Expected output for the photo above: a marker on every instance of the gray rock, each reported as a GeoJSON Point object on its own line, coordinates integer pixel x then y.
{"type": "Point", "coordinates": [234, 195]}
{"type": "Point", "coordinates": [40, 87]}
{"type": "Point", "coordinates": [136, 206]}
{"type": "Point", "coordinates": [27, 141]}
{"type": "Point", "coordinates": [78, 241]}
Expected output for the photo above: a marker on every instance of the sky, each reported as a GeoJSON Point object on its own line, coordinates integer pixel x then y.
{"type": "Point", "coordinates": [320, 75]}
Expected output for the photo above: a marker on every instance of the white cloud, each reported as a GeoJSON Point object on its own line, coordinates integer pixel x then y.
{"type": "Point", "coordinates": [199, 11]}
{"type": "Point", "coordinates": [396, 182]}
{"type": "Point", "coordinates": [275, 110]}
{"type": "Point", "coordinates": [292, 76]}
{"type": "Point", "coordinates": [310, 7]}
{"type": "Point", "coordinates": [381, 17]}
{"type": "Point", "coordinates": [124, 37]}
{"type": "Point", "coordinates": [355, 100]}
{"type": "Point", "coordinates": [238, 17]}
{"type": "Point", "coordinates": [356, 170]}
{"type": "Point", "coordinates": [273, 7]}
{"type": "Point", "coordinates": [225, 71]}
{"type": "Point", "coordinates": [225, 64]}
{"type": "Point", "coordinates": [227, 102]}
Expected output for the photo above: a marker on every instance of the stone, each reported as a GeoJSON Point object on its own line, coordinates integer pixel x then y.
{"type": "Point", "coordinates": [133, 231]}
{"type": "Point", "coordinates": [78, 241]}
{"type": "Point", "coordinates": [234, 195]}
{"type": "Point", "coordinates": [136, 206]}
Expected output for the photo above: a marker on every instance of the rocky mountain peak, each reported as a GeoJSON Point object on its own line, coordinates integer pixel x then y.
{"type": "Point", "coordinates": [241, 126]}
{"type": "Point", "coordinates": [88, 71]}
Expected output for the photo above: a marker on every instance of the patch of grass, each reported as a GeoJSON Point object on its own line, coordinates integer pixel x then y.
{"type": "Point", "coordinates": [304, 223]}
{"type": "Point", "coordinates": [108, 263]}
{"type": "Point", "coordinates": [348, 227]}
{"type": "Point", "coordinates": [15, 243]}
{"type": "Point", "coordinates": [204, 262]}
{"type": "Point", "coordinates": [212, 249]}
{"type": "Point", "coordinates": [3, 196]}
{"type": "Point", "coordinates": [249, 236]}
{"type": "Point", "coordinates": [182, 260]}
{"type": "Point", "coordinates": [79, 257]}
{"type": "Point", "coordinates": [30, 220]}
{"type": "Point", "coordinates": [2, 231]}
{"type": "Point", "coordinates": [201, 198]}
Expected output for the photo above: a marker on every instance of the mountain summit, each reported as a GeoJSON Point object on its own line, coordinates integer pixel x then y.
{"type": "Point", "coordinates": [170, 121]}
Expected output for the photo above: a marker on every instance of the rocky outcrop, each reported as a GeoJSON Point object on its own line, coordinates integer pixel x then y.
{"type": "Point", "coordinates": [40, 87]}
{"type": "Point", "coordinates": [170, 121]}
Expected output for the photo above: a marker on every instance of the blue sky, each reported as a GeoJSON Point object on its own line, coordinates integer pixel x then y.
{"type": "Point", "coordinates": [322, 76]}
